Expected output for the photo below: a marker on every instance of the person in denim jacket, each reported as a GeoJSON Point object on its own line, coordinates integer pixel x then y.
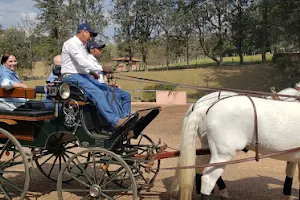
{"type": "Point", "coordinates": [9, 80]}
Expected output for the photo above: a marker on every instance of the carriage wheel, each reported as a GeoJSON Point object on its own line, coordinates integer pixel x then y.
{"type": "Point", "coordinates": [144, 167]}
{"type": "Point", "coordinates": [14, 168]}
{"type": "Point", "coordinates": [50, 160]}
{"type": "Point", "coordinates": [95, 178]}
{"type": "Point", "coordinates": [147, 168]}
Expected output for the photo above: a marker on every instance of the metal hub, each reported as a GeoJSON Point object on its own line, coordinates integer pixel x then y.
{"type": "Point", "coordinates": [95, 191]}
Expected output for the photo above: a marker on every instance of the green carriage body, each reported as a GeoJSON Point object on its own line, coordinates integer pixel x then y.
{"type": "Point", "coordinates": [46, 131]}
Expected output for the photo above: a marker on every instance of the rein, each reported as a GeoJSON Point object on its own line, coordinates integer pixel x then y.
{"type": "Point", "coordinates": [234, 161]}
{"type": "Point", "coordinates": [199, 87]}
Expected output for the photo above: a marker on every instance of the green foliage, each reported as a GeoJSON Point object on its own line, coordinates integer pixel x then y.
{"type": "Point", "coordinates": [14, 41]}
{"type": "Point", "coordinates": [150, 96]}
{"type": "Point", "coordinates": [58, 19]}
{"type": "Point", "coordinates": [290, 68]}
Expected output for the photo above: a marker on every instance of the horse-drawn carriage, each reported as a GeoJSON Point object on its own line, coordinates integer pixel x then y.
{"type": "Point", "coordinates": [74, 143]}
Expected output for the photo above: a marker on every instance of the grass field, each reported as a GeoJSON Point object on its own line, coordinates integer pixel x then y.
{"type": "Point", "coordinates": [226, 60]}
{"type": "Point", "coordinates": [259, 77]}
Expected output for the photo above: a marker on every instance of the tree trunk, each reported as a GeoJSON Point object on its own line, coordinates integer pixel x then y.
{"type": "Point", "coordinates": [240, 32]}
{"type": "Point", "coordinates": [214, 59]}
{"type": "Point", "coordinates": [187, 52]}
{"type": "Point", "coordinates": [221, 60]}
{"type": "Point", "coordinates": [263, 56]}
{"type": "Point", "coordinates": [145, 62]}
{"type": "Point", "coordinates": [167, 52]}
{"type": "Point", "coordinates": [241, 57]}
{"type": "Point", "coordinates": [265, 31]}
{"type": "Point", "coordinates": [130, 61]}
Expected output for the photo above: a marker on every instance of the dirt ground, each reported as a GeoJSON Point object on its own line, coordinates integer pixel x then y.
{"type": "Point", "coordinates": [254, 180]}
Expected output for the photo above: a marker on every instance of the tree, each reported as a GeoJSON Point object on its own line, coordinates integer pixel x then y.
{"type": "Point", "coordinates": [91, 11]}
{"type": "Point", "coordinates": [124, 14]}
{"type": "Point", "coordinates": [240, 24]}
{"type": "Point", "coordinates": [12, 41]}
{"type": "Point", "coordinates": [211, 21]}
{"type": "Point", "coordinates": [166, 24]}
{"type": "Point", "coordinates": [58, 19]}
{"type": "Point", "coordinates": [145, 26]}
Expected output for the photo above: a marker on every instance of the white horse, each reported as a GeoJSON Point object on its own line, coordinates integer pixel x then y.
{"type": "Point", "coordinates": [188, 139]}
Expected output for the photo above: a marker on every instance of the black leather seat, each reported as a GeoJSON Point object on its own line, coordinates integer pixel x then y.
{"type": "Point", "coordinates": [78, 94]}
{"type": "Point", "coordinates": [27, 113]}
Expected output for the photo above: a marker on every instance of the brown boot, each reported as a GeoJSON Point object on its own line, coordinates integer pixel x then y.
{"type": "Point", "coordinates": [120, 122]}
{"type": "Point", "coordinates": [130, 134]}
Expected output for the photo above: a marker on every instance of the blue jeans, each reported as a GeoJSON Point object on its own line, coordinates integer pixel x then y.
{"type": "Point", "coordinates": [121, 101]}
{"type": "Point", "coordinates": [125, 99]}
{"type": "Point", "coordinates": [49, 104]}
{"type": "Point", "coordinates": [96, 93]}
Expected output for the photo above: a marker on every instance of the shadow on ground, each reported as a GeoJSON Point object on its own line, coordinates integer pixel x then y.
{"type": "Point", "coordinates": [258, 188]}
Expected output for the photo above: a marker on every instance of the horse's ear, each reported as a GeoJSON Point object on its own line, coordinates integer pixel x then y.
{"type": "Point", "coordinates": [297, 85]}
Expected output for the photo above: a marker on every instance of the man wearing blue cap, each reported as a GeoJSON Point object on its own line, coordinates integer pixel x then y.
{"type": "Point", "coordinates": [76, 67]}
{"type": "Point", "coordinates": [122, 98]}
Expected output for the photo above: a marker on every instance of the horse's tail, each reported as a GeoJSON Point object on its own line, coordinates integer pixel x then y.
{"type": "Point", "coordinates": [185, 178]}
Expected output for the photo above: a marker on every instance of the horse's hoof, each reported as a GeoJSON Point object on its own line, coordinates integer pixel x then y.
{"type": "Point", "coordinates": [286, 197]}
{"type": "Point", "coordinates": [206, 197]}
{"type": "Point", "coordinates": [224, 194]}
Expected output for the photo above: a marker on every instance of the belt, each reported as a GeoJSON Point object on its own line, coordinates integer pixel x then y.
{"type": "Point", "coordinates": [67, 74]}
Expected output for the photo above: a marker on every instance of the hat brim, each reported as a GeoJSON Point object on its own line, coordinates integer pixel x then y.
{"type": "Point", "coordinates": [94, 34]}
{"type": "Point", "coordinates": [99, 46]}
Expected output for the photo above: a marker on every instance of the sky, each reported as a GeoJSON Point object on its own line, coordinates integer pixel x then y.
{"type": "Point", "coordinates": [12, 12]}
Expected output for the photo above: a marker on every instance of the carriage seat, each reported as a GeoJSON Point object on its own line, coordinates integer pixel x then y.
{"type": "Point", "coordinates": [26, 114]}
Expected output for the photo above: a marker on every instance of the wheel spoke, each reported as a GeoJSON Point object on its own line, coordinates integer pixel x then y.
{"type": "Point", "coordinates": [84, 171]}
{"type": "Point", "coordinates": [112, 178]}
{"type": "Point", "coordinates": [59, 163]}
{"type": "Point", "coordinates": [95, 172]}
{"type": "Point", "coordinates": [83, 198]}
{"type": "Point", "coordinates": [105, 195]}
{"type": "Point", "coordinates": [75, 190]}
{"type": "Point", "coordinates": [77, 179]}
{"type": "Point", "coordinates": [8, 161]}
{"type": "Point", "coordinates": [119, 190]}
{"type": "Point", "coordinates": [5, 192]}
{"type": "Point", "coordinates": [10, 183]}
{"type": "Point", "coordinates": [70, 147]}
{"type": "Point", "coordinates": [52, 166]}
{"type": "Point", "coordinates": [47, 160]}
{"type": "Point", "coordinates": [103, 168]}
{"type": "Point", "coordinates": [70, 152]}
{"type": "Point", "coordinates": [8, 142]}
{"type": "Point", "coordinates": [103, 174]}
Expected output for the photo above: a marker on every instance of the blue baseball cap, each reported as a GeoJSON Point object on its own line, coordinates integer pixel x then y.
{"type": "Point", "coordinates": [86, 26]}
{"type": "Point", "coordinates": [93, 44]}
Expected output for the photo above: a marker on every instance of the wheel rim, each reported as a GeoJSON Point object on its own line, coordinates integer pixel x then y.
{"type": "Point", "coordinates": [95, 178]}
{"type": "Point", "coordinates": [14, 181]}
{"type": "Point", "coordinates": [49, 161]}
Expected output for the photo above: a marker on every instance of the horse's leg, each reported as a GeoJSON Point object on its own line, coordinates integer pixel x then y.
{"type": "Point", "coordinates": [212, 174]}
{"type": "Point", "coordinates": [287, 187]}
{"type": "Point", "coordinates": [199, 172]}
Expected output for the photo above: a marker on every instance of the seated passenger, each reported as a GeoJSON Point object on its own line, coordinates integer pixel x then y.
{"type": "Point", "coordinates": [122, 97]}
{"type": "Point", "coordinates": [8, 80]}
{"type": "Point", "coordinates": [49, 104]}
{"type": "Point", "coordinates": [76, 68]}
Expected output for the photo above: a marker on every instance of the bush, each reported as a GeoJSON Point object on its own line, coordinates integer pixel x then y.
{"type": "Point", "coordinates": [149, 96]}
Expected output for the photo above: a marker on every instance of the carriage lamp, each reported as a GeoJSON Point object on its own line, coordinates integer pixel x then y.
{"type": "Point", "coordinates": [64, 91]}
